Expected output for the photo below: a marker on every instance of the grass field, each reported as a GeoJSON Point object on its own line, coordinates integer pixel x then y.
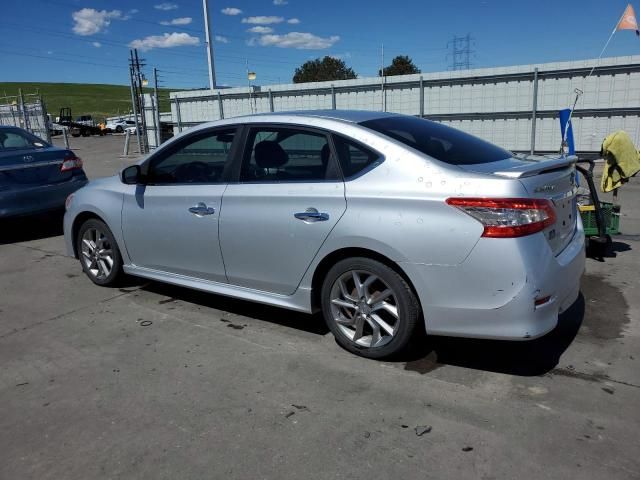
{"type": "Point", "coordinates": [84, 99]}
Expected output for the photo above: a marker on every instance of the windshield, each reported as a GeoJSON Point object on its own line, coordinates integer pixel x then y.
{"type": "Point", "coordinates": [11, 138]}
{"type": "Point", "coordinates": [438, 141]}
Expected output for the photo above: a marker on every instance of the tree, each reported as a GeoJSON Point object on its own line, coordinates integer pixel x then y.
{"type": "Point", "coordinates": [329, 68]}
{"type": "Point", "coordinates": [401, 65]}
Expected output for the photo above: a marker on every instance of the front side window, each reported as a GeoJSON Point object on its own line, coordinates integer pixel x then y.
{"type": "Point", "coordinates": [202, 159]}
{"type": "Point", "coordinates": [438, 141]}
{"type": "Point", "coordinates": [286, 155]}
{"type": "Point", "coordinates": [16, 139]}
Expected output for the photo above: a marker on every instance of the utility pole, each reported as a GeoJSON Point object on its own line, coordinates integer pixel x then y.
{"type": "Point", "coordinates": [461, 51]}
{"type": "Point", "coordinates": [140, 76]}
{"type": "Point", "coordinates": [134, 99]}
{"type": "Point", "coordinates": [157, 104]}
{"type": "Point", "coordinates": [207, 36]}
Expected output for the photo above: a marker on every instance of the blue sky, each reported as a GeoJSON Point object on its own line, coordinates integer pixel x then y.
{"type": "Point", "coordinates": [89, 40]}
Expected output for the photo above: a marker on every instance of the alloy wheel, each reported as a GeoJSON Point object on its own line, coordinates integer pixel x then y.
{"type": "Point", "coordinates": [365, 308]}
{"type": "Point", "coordinates": [97, 253]}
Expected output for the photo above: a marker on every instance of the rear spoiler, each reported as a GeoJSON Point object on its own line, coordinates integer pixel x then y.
{"type": "Point", "coordinates": [538, 165]}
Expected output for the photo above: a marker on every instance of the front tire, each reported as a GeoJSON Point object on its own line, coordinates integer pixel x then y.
{"type": "Point", "coordinates": [119, 129]}
{"type": "Point", "coordinates": [98, 253]}
{"type": "Point", "coordinates": [370, 308]}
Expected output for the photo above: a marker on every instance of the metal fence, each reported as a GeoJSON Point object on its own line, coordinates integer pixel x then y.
{"type": "Point", "coordinates": [26, 111]}
{"type": "Point", "coordinates": [515, 107]}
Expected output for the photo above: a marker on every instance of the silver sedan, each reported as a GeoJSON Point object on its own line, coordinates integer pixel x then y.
{"type": "Point", "coordinates": [384, 222]}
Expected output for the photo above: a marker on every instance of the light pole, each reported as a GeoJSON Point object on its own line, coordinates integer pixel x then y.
{"type": "Point", "coordinates": [250, 76]}
{"type": "Point", "coordinates": [207, 34]}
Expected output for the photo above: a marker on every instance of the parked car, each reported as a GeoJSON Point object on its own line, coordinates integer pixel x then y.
{"type": "Point", "coordinates": [119, 126]}
{"type": "Point", "coordinates": [382, 221]}
{"type": "Point", "coordinates": [35, 177]}
{"type": "Point", "coordinates": [132, 129]}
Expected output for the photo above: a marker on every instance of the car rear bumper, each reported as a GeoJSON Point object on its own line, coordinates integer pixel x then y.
{"type": "Point", "coordinates": [492, 293]}
{"type": "Point", "coordinates": [28, 201]}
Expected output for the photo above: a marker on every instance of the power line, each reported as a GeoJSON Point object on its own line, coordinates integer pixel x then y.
{"type": "Point", "coordinates": [50, 57]}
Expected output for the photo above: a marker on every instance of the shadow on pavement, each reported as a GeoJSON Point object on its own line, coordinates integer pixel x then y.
{"type": "Point", "coordinates": [526, 358]}
{"type": "Point", "coordinates": [617, 247]}
{"type": "Point", "coordinates": [33, 227]}
{"type": "Point", "coordinates": [280, 316]}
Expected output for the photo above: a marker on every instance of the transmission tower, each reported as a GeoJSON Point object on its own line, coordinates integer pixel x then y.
{"type": "Point", "coordinates": [461, 52]}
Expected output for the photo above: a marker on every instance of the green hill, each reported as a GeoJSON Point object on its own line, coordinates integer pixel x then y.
{"type": "Point", "coordinates": [97, 100]}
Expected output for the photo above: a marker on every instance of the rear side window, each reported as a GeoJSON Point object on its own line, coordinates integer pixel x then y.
{"type": "Point", "coordinates": [354, 158]}
{"type": "Point", "coordinates": [287, 155]}
{"type": "Point", "coordinates": [438, 141]}
{"type": "Point", "coordinates": [17, 139]}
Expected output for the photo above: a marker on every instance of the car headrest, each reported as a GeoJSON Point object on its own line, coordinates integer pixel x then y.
{"type": "Point", "coordinates": [269, 154]}
{"type": "Point", "coordinates": [436, 149]}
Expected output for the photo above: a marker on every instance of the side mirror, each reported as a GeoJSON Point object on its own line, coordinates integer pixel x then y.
{"type": "Point", "coordinates": [131, 175]}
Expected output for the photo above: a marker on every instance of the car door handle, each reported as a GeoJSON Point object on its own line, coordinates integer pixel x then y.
{"type": "Point", "coordinates": [312, 215]}
{"type": "Point", "coordinates": [201, 210]}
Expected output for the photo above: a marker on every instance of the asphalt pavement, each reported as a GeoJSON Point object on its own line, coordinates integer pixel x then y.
{"type": "Point", "coordinates": [156, 381]}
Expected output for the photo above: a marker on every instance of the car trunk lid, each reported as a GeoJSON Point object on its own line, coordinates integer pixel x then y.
{"type": "Point", "coordinates": [30, 167]}
{"type": "Point", "coordinates": [550, 178]}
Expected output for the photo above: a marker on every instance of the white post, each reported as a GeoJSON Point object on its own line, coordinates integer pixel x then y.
{"type": "Point", "coordinates": [127, 139]}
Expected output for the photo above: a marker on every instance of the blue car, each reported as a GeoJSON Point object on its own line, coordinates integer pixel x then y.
{"type": "Point", "coordinates": [35, 177]}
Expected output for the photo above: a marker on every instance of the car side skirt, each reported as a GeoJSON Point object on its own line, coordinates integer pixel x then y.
{"type": "Point", "coordinates": [300, 301]}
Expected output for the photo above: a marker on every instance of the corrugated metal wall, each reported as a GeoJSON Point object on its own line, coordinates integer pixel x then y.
{"type": "Point", "coordinates": [492, 103]}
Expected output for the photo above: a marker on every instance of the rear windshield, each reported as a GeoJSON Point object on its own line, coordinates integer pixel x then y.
{"type": "Point", "coordinates": [438, 141]}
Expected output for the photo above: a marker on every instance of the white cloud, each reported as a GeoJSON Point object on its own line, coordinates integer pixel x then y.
{"type": "Point", "coordinates": [260, 29]}
{"type": "Point", "coordinates": [280, 2]}
{"type": "Point", "coordinates": [340, 56]}
{"type": "Point", "coordinates": [262, 20]}
{"type": "Point", "coordinates": [299, 40]}
{"type": "Point", "coordinates": [221, 39]}
{"type": "Point", "coordinates": [178, 21]}
{"type": "Point", "coordinates": [89, 21]}
{"type": "Point", "coordinates": [165, 6]}
{"type": "Point", "coordinates": [293, 21]}
{"type": "Point", "coordinates": [96, 44]}
{"type": "Point", "coordinates": [168, 40]}
{"type": "Point", "coordinates": [231, 11]}
{"type": "Point", "coordinates": [133, 11]}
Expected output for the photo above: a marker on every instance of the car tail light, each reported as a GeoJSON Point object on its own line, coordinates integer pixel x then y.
{"type": "Point", "coordinates": [541, 301]}
{"type": "Point", "coordinates": [70, 162]}
{"type": "Point", "coordinates": [507, 217]}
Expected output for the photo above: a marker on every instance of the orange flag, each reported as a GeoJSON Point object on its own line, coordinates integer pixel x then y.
{"type": "Point", "coordinates": [628, 20]}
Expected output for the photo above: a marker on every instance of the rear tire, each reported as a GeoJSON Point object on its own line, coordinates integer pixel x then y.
{"type": "Point", "coordinates": [98, 253]}
{"type": "Point", "coordinates": [119, 129]}
{"type": "Point", "coordinates": [370, 309]}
